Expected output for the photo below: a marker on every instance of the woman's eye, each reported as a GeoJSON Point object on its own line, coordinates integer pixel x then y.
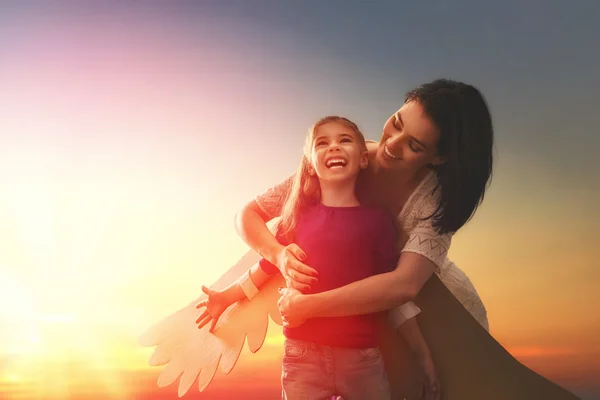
{"type": "Point", "coordinates": [414, 148]}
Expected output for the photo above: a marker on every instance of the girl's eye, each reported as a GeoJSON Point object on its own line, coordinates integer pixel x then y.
{"type": "Point", "coordinates": [320, 143]}
{"type": "Point", "coordinates": [345, 140]}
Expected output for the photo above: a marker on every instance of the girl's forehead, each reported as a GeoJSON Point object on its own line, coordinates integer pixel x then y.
{"type": "Point", "coordinates": [332, 129]}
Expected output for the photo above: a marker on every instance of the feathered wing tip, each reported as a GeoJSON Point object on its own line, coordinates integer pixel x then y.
{"type": "Point", "coordinates": [191, 353]}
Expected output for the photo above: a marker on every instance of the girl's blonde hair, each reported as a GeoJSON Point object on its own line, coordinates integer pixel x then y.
{"type": "Point", "coordinates": [306, 190]}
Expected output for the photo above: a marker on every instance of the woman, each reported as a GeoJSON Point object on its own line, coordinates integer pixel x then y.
{"type": "Point", "coordinates": [421, 172]}
{"type": "Point", "coordinates": [431, 168]}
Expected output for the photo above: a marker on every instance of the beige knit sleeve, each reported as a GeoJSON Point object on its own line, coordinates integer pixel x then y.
{"type": "Point", "coordinates": [271, 201]}
{"type": "Point", "coordinates": [424, 239]}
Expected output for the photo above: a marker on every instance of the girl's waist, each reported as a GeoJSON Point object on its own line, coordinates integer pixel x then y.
{"type": "Point", "coordinates": [361, 331]}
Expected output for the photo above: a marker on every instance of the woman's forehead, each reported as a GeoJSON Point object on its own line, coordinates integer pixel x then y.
{"type": "Point", "coordinates": [417, 123]}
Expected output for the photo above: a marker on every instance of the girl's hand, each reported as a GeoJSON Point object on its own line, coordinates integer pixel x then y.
{"type": "Point", "coordinates": [215, 304]}
{"type": "Point", "coordinates": [429, 384]}
{"type": "Point", "coordinates": [297, 275]}
{"type": "Point", "coordinates": [291, 314]}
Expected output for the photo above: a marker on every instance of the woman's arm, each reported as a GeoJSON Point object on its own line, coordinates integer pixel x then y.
{"type": "Point", "coordinates": [251, 225]}
{"type": "Point", "coordinates": [370, 295]}
{"type": "Point", "coordinates": [422, 255]}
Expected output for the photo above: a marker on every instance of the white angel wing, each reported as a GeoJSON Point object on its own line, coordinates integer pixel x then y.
{"type": "Point", "coordinates": [193, 353]}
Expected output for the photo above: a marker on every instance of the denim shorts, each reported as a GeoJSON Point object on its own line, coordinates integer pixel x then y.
{"type": "Point", "coordinates": [316, 372]}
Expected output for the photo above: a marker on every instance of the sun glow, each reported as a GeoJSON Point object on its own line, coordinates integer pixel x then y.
{"type": "Point", "coordinates": [55, 333]}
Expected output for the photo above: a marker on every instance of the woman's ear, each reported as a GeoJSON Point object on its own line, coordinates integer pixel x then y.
{"type": "Point", "coordinates": [438, 160]}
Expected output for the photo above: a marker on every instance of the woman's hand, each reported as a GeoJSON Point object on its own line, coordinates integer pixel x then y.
{"type": "Point", "coordinates": [216, 303]}
{"type": "Point", "coordinates": [291, 313]}
{"type": "Point", "coordinates": [429, 384]}
{"type": "Point", "coordinates": [297, 274]}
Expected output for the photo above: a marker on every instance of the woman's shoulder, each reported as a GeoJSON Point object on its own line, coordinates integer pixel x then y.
{"type": "Point", "coordinates": [421, 206]}
{"type": "Point", "coordinates": [418, 222]}
{"type": "Point", "coordinates": [272, 199]}
{"type": "Point", "coordinates": [425, 198]}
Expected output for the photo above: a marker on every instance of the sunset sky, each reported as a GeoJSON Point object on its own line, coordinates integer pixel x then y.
{"type": "Point", "coordinates": [131, 133]}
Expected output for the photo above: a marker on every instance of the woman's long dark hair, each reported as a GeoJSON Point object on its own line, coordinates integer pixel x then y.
{"type": "Point", "coordinates": [466, 142]}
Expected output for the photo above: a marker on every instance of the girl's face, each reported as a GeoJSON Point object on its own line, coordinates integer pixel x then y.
{"type": "Point", "coordinates": [409, 140]}
{"type": "Point", "coordinates": [337, 154]}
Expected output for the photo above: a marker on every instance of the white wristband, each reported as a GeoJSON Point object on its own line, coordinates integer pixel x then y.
{"type": "Point", "coordinates": [248, 287]}
{"type": "Point", "coordinates": [399, 315]}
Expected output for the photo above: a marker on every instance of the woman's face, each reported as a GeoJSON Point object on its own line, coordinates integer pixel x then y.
{"type": "Point", "coordinates": [409, 140]}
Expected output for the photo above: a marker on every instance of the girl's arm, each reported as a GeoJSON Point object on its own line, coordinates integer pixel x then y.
{"type": "Point", "coordinates": [429, 383]}
{"type": "Point", "coordinates": [411, 333]}
{"type": "Point", "coordinates": [219, 301]}
{"type": "Point", "coordinates": [403, 318]}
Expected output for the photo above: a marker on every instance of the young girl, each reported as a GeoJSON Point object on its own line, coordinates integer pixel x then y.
{"type": "Point", "coordinates": [344, 242]}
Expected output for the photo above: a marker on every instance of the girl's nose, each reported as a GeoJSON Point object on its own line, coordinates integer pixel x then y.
{"type": "Point", "coordinates": [334, 147]}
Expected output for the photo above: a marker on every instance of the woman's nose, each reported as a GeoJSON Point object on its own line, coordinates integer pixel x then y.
{"type": "Point", "coordinates": [395, 141]}
{"type": "Point", "coordinates": [395, 144]}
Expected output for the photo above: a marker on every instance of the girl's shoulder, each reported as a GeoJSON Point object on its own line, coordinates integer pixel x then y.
{"type": "Point", "coordinates": [377, 216]}
{"type": "Point", "coordinates": [372, 145]}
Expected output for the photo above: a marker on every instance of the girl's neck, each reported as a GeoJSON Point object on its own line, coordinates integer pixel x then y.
{"type": "Point", "coordinates": [339, 194]}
